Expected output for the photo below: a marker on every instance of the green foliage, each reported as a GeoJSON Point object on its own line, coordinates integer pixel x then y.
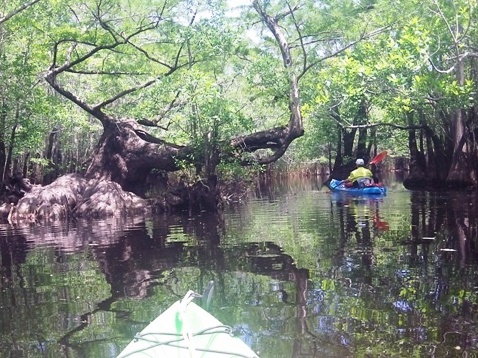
{"type": "Point", "coordinates": [27, 103]}
{"type": "Point", "coordinates": [392, 73]}
{"type": "Point", "coordinates": [232, 80]}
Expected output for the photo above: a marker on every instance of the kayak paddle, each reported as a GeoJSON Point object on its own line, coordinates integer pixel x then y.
{"type": "Point", "coordinates": [379, 157]}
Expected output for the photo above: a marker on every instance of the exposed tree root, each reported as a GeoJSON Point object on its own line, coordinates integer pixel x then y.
{"type": "Point", "coordinates": [104, 199]}
{"type": "Point", "coordinates": [73, 196]}
{"type": "Point", "coordinates": [52, 202]}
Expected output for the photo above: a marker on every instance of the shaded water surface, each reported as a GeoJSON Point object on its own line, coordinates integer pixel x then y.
{"type": "Point", "coordinates": [299, 272]}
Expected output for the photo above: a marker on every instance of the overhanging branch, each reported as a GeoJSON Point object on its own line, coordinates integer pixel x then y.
{"type": "Point", "coordinates": [17, 11]}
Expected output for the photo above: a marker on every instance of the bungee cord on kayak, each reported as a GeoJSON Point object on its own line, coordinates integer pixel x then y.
{"type": "Point", "coordinates": [186, 330]}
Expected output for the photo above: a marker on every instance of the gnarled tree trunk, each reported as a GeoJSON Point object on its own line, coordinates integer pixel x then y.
{"type": "Point", "coordinates": [126, 154]}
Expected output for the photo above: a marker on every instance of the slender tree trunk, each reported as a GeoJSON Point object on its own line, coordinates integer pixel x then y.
{"type": "Point", "coordinates": [339, 158]}
{"type": "Point", "coordinates": [3, 157]}
{"type": "Point", "coordinates": [461, 172]}
{"type": "Point", "coordinates": [416, 177]}
{"type": "Point", "coordinates": [8, 161]}
{"type": "Point", "coordinates": [53, 156]}
{"type": "Point", "coordinates": [361, 118]}
{"type": "Point", "coordinates": [25, 165]}
{"type": "Point", "coordinates": [3, 154]}
{"type": "Point", "coordinates": [362, 151]}
{"type": "Point", "coordinates": [349, 138]}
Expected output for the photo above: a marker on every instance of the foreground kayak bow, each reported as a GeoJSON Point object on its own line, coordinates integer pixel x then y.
{"type": "Point", "coordinates": [186, 330]}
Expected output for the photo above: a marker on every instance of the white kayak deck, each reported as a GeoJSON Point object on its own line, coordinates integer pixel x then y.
{"type": "Point", "coordinates": [186, 330]}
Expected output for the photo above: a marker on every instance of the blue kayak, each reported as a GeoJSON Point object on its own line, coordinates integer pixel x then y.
{"type": "Point", "coordinates": [335, 186]}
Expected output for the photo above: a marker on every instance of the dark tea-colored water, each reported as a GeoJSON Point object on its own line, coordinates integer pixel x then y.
{"type": "Point", "coordinates": [298, 272]}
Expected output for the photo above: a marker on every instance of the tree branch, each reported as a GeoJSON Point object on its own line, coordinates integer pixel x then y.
{"type": "Point", "coordinates": [282, 136]}
{"type": "Point", "coordinates": [17, 11]}
{"type": "Point", "coordinates": [374, 125]}
{"type": "Point", "coordinates": [118, 39]}
{"type": "Point", "coordinates": [154, 123]}
{"type": "Point", "coordinates": [106, 73]}
{"type": "Point", "coordinates": [349, 45]}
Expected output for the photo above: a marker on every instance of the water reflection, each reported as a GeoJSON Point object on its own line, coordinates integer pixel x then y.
{"type": "Point", "coordinates": [299, 272]}
{"type": "Point", "coordinates": [360, 212]}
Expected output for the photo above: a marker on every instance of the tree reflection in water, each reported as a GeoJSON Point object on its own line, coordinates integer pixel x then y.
{"type": "Point", "coordinates": [298, 273]}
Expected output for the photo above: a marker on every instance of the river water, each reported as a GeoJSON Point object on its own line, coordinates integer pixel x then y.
{"type": "Point", "coordinates": [298, 272]}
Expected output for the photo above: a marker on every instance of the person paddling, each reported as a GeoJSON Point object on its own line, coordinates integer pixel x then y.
{"type": "Point", "coordinates": [359, 177]}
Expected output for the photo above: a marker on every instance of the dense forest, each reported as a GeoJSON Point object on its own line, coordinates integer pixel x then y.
{"type": "Point", "coordinates": [105, 100]}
